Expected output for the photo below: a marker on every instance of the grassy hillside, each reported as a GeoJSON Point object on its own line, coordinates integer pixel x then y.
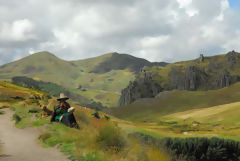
{"type": "Point", "coordinates": [13, 93]}
{"type": "Point", "coordinates": [114, 139]}
{"type": "Point", "coordinates": [109, 73]}
{"type": "Point", "coordinates": [96, 140]}
{"type": "Point", "coordinates": [71, 74]}
{"type": "Point", "coordinates": [211, 67]}
{"type": "Point", "coordinates": [151, 109]}
{"type": "Point", "coordinates": [217, 121]}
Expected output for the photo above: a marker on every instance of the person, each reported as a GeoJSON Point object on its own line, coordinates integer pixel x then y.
{"type": "Point", "coordinates": [63, 112]}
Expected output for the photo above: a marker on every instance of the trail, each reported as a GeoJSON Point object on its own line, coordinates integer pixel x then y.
{"type": "Point", "coordinates": [23, 144]}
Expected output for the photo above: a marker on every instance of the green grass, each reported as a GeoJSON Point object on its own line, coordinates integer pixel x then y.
{"type": "Point", "coordinates": [107, 98]}
{"type": "Point", "coordinates": [40, 121]}
{"type": "Point", "coordinates": [91, 157]}
{"type": "Point", "coordinates": [151, 109]}
{"type": "Point", "coordinates": [2, 107]}
{"type": "Point", "coordinates": [71, 140]}
{"type": "Point", "coordinates": [48, 67]}
{"type": "Point", "coordinates": [22, 117]}
{"type": "Point", "coordinates": [2, 112]}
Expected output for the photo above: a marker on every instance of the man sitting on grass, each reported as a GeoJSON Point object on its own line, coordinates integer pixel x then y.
{"type": "Point", "coordinates": [63, 112]}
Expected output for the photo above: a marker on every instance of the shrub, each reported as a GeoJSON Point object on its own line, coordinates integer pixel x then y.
{"type": "Point", "coordinates": [207, 149]}
{"type": "Point", "coordinates": [2, 107]}
{"type": "Point", "coordinates": [17, 118]}
{"type": "Point", "coordinates": [34, 110]}
{"type": "Point", "coordinates": [2, 112]}
{"type": "Point", "coordinates": [81, 116]}
{"type": "Point", "coordinates": [45, 136]}
{"type": "Point", "coordinates": [110, 138]}
{"type": "Point", "coordinates": [91, 157]}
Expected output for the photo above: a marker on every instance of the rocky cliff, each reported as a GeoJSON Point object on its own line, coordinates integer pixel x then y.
{"type": "Point", "coordinates": [204, 73]}
{"type": "Point", "coordinates": [143, 87]}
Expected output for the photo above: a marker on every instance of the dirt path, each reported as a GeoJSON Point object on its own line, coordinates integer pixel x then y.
{"type": "Point", "coordinates": [22, 144]}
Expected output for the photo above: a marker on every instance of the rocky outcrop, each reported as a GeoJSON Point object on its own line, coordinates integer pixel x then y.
{"type": "Point", "coordinates": [143, 87]}
{"type": "Point", "coordinates": [232, 58]}
{"type": "Point", "coordinates": [190, 79]}
{"type": "Point", "coordinates": [201, 58]}
{"type": "Point", "coordinates": [201, 74]}
{"type": "Point", "coordinates": [225, 79]}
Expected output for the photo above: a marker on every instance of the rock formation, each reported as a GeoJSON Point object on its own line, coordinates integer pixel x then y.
{"type": "Point", "coordinates": [143, 87]}
{"type": "Point", "coordinates": [191, 79]}
{"type": "Point", "coordinates": [217, 72]}
{"type": "Point", "coordinates": [232, 58]}
{"type": "Point", "coordinates": [201, 58]}
{"type": "Point", "coordinates": [225, 79]}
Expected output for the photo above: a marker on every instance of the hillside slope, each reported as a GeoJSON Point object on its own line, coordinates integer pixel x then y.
{"type": "Point", "coordinates": [151, 109]}
{"type": "Point", "coordinates": [227, 114]}
{"type": "Point", "coordinates": [46, 66]}
{"type": "Point", "coordinates": [95, 77]}
{"type": "Point", "coordinates": [204, 73]}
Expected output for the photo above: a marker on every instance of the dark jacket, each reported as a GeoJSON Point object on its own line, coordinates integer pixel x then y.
{"type": "Point", "coordinates": [63, 105]}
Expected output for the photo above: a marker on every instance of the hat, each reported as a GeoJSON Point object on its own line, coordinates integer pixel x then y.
{"type": "Point", "coordinates": [62, 96]}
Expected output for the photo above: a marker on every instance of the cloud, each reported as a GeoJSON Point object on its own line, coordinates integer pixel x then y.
{"type": "Point", "coordinates": [19, 30]}
{"type": "Point", "coordinates": [157, 30]}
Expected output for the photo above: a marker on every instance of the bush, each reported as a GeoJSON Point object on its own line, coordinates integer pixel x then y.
{"type": "Point", "coordinates": [207, 149]}
{"type": "Point", "coordinates": [34, 110]}
{"type": "Point", "coordinates": [2, 112]}
{"type": "Point", "coordinates": [91, 157]}
{"type": "Point", "coordinates": [81, 116]}
{"type": "Point", "coordinates": [2, 107]}
{"type": "Point", "coordinates": [110, 138]}
{"type": "Point", "coordinates": [17, 118]}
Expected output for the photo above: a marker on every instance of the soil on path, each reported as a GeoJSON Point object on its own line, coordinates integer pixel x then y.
{"type": "Point", "coordinates": [23, 144]}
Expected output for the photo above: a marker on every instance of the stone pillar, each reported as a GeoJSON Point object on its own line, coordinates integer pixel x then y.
{"type": "Point", "coordinates": [201, 58]}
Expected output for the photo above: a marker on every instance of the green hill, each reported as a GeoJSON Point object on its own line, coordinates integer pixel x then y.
{"type": "Point", "coordinates": [204, 73]}
{"type": "Point", "coordinates": [152, 109]}
{"type": "Point", "coordinates": [96, 77]}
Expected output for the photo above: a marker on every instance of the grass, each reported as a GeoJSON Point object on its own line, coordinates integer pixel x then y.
{"type": "Point", "coordinates": [22, 117]}
{"type": "Point", "coordinates": [151, 109]}
{"type": "Point", "coordinates": [107, 98]}
{"type": "Point", "coordinates": [48, 67]}
{"type": "Point", "coordinates": [2, 112]}
{"type": "Point", "coordinates": [104, 88]}
{"type": "Point", "coordinates": [84, 143]}
{"type": "Point", "coordinates": [2, 107]}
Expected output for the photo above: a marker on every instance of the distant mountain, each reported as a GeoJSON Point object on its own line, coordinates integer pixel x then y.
{"type": "Point", "coordinates": [97, 77]}
{"type": "Point", "coordinates": [204, 73]}
{"type": "Point", "coordinates": [122, 61]}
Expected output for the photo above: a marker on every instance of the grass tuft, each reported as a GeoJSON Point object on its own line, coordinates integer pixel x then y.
{"type": "Point", "coordinates": [17, 118]}
{"type": "Point", "coordinates": [111, 138]}
{"type": "Point", "coordinates": [2, 112]}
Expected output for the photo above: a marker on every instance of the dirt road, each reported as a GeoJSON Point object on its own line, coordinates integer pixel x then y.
{"type": "Point", "coordinates": [23, 144]}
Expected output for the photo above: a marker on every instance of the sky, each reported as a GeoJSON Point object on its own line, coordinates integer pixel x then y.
{"type": "Point", "coordinates": [157, 30]}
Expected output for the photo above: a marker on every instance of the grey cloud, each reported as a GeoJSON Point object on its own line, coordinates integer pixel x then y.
{"type": "Point", "coordinates": [157, 30]}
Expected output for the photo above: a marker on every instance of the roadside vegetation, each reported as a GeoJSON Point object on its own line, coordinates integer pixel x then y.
{"type": "Point", "coordinates": [112, 139]}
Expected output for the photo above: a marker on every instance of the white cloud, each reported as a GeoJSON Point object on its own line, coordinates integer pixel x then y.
{"type": "Point", "coordinates": [157, 30]}
{"type": "Point", "coordinates": [152, 42]}
{"type": "Point", "coordinates": [224, 6]}
{"type": "Point", "coordinates": [19, 30]}
{"type": "Point", "coordinates": [184, 3]}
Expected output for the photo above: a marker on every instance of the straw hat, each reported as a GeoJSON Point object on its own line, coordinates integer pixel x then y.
{"type": "Point", "coordinates": [62, 96]}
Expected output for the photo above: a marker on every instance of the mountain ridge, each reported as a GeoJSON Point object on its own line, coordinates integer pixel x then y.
{"type": "Point", "coordinates": [204, 73]}
{"type": "Point", "coordinates": [79, 76]}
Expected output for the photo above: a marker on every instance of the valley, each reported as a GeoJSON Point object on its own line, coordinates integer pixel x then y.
{"type": "Point", "coordinates": [160, 111]}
